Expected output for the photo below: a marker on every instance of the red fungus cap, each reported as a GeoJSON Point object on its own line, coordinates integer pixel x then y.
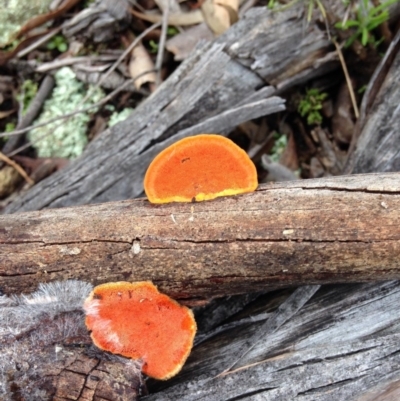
{"type": "Point", "coordinates": [137, 321]}
{"type": "Point", "coordinates": [199, 168]}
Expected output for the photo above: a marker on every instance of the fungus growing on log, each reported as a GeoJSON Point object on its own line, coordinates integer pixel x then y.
{"type": "Point", "coordinates": [199, 168]}
{"type": "Point", "coordinates": [137, 321]}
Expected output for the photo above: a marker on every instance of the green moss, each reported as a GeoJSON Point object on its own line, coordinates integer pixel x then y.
{"type": "Point", "coordinates": [279, 147]}
{"type": "Point", "coordinates": [27, 94]}
{"type": "Point", "coordinates": [311, 105]}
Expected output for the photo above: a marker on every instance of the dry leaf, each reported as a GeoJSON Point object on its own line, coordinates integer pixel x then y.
{"type": "Point", "coordinates": [9, 180]}
{"type": "Point", "coordinates": [8, 55]}
{"type": "Point", "coordinates": [289, 156]}
{"type": "Point", "coordinates": [220, 14]}
{"type": "Point", "coordinates": [343, 117]}
{"type": "Point", "coordinates": [183, 43]}
{"type": "Point", "coordinates": [139, 63]}
{"type": "Point", "coordinates": [172, 4]}
{"type": "Point", "coordinates": [177, 19]}
{"type": "Point", "coordinates": [4, 114]}
{"type": "Point", "coordinates": [232, 6]}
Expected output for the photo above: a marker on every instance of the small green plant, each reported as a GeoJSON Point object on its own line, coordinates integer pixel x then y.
{"type": "Point", "coordinates": [362, 89]}
{"type": "Point", "coordinates": [310, 4]}
{"type": "Point", "coordinates": [28, 92]}
{"type": "Point", "coordinates": [88, 3]}
{"type": "Point", "coordinates": [310, 106]}
{"type": "Point", "coordinates": [10, 46]}
{"type": "Point", "coordinates": [58, 42]}
{"type": "Point", "coordinates": [10, 127]}
{"type": "Point", "coordinates": [279, 147]}
{"type": "Point", "coordinates": [172, 31]}
{"type": "Point", "coordinates": [272, 4]}
{"type": "Point", "coordinates": [367, 18]}
{"type": "Point", "coordinates": [153, 46]}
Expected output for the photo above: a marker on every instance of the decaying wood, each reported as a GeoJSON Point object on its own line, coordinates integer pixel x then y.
{"type": "Point", "coordinates": [100, 21]}
{"type": "Point", "coordinates": [214, 80]}
{"type": "Point", "coordinates": [59, 371]}
{"type": "Point", "coordinates": [379, 124]}
{"type": "Point", "coordinates": [34, 108]}
{"type": "Point", "coordinates": [342, 345]}
{"type": "Point", "coordinates": [46, 352]}
{"type": "Point", "coordinates": [318, 231]}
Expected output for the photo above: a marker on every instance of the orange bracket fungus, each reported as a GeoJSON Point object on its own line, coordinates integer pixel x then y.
{"type": "Point", "coordinates": [137, 321]}
{"type": "Point", "coordinates": [199, 168]}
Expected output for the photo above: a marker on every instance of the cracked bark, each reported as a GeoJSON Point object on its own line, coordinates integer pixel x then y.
{"type": "Point", "coordinates": [317, 231]}
{"type": "Point", "coordinates": [67, 371]}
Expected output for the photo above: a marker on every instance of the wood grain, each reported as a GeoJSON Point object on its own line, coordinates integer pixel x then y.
{"type": "Point", "coordinates": [329, 230]}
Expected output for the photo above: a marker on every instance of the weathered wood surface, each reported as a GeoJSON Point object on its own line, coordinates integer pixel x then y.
{"type": "Point", "coordinates": [215, 79]}
{"type": "Point", "coordinates": [46, 352]}
{"type": "Point", "coordinates": [379, 124]}
{"type": "Point", "coordinates": [342, 345]}
{"type": "Point", "coordinates": [317, 231]}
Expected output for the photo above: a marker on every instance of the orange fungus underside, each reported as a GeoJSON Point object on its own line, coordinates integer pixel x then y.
{"type": "Point", "coordinates": [137, 321]}
{"type": "Point", "coordinates": [199, 168]}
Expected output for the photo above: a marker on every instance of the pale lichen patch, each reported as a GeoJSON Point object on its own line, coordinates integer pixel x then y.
{"type": "Point", "coordinates": [288, 231]}
{"type": "Point", "coordinates": [64, 250]}
{"type": "Point", "coordinates": [135, 247]}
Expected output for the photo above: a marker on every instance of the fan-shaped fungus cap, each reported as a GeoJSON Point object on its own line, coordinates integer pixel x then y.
{"type": "Point", "coordinates": [137, 321]}
{"type": "Point", "coordinates": [199, 168]}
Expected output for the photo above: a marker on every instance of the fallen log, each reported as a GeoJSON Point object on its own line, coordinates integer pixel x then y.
{"type": "Point", "coordinates": [342, 229]}
{"type": "Point", "coordinates": [343, 344]}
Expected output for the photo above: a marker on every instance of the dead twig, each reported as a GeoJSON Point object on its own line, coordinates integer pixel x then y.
{"type": "Point", "coordinates": [90, 92]}
{"type": "Point", "coordinates": [39, 42]}
{"type": "Point", "coordinates": [43, 18]}
{"type": "Point", "coordinates": [35, 106]}
{"type": "Point", "coordinates": [52, 65]}
{"type": "Point", "coordinates": [348, 80]}
{"type": "Point", "coordinates": [180, 19]}
{"type": "Point", "coordinates": [17, 167]}
{"type": "Point", "coordinates": [161, 44]}
{"type": "Point", "coordinates": [127, 51]}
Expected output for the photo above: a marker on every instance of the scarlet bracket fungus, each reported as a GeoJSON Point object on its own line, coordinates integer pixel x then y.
{"type": "Point", "coordinates": [137, 321]}
{"type": "Point", "coordinates": [199, 168]}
